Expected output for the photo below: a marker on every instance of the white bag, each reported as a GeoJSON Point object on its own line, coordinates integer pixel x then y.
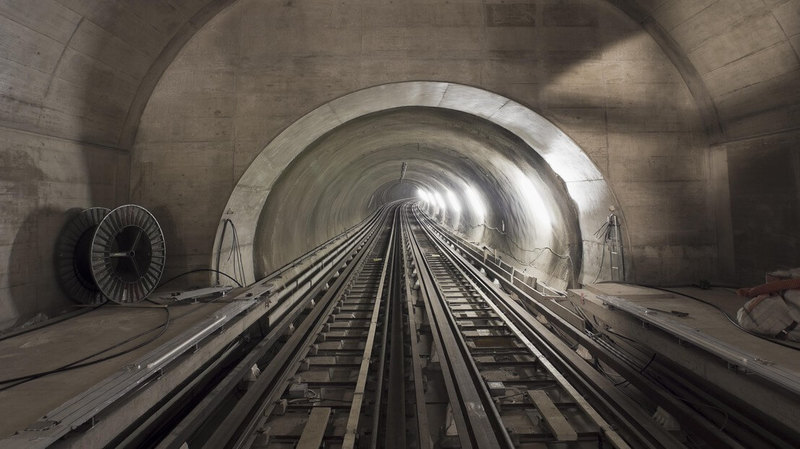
{"type": "Point", "coordinates": [775, 316]}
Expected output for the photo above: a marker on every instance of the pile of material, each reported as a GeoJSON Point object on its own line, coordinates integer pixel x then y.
{"type": "Point", "coordinates": [774, 309]}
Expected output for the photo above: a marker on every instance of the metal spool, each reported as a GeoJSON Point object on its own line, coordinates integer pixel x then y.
{"type": "Point", "coordinates": [73, 265]}
{"type": "Point", "coordinates": [127, 254]}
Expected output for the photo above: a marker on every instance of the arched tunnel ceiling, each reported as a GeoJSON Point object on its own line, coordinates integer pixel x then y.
{"type": "Point", "coordinates": [97, 96]}
{"type": "Point", "coordinates": [338, 177]}
{"type": "Point", "coordinates": [539, 191]}
{"type": "Point", "coordinates": [85, 69]}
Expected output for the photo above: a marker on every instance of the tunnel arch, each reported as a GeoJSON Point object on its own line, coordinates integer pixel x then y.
{"type": "Point", "coordinates": [587, 190]}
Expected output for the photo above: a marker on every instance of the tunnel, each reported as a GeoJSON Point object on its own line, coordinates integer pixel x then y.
{"type": "Point", "coordinates": [475, 175]}
{"type": "Point", "coordinates": [599, 190]}
{"type": "Point", "coordinates": [680, 119]}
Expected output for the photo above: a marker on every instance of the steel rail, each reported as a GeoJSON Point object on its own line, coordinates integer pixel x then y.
{"type": "Point", "coordinates": [240, 424]}
{"type": "Point", "coordinates": [609, 432]}
{"type": "Point", "coordinates": [351, 429]}
{"type": "Point", "coordinates": [423, 432]}
{"type": "Point", "coordinates": [216, 397]}
{"type": "Point", "coordinates": [327, 374]}
{"type": "Point", "coordinates": [394, 414]}
{"type": "Point", "coordinates": [395, 427]}
{"type": "Point", "coordinates": [310, 333]}
{"type": "Point", "coordinates": [478, 422]}
{"type": "Point", "coordinates": [379, 382]}
{"type": "Point", "coordinates": [568, 360]}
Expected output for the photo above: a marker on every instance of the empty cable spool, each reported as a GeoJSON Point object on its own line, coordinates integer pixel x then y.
{"type": "Point", "coordinates": [117, 255]}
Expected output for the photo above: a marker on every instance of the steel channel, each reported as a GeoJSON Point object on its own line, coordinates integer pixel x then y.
{"type": "Point", "coordinates": [365, 224]}
{"type": "Point", "coordinates": [145, 430]}
{"type": "Point", "coordinates": [777, 375]}
{"type": "Point", "coordinates": [262, 286]}
{"type": "Point", "coordinates": [212, 400]}
{"type": "Point", "coordinates": [610, 433]}
{"type": "Point", "coordinates": [391, 299]}
{"type": "Point", "coordinates": [536, 330]}
{"type": "Point", "coordinates": [423, 432]}
{"type": "Point", "coordinates": [197, 416]}
{"type": "Point", "coordinates": [395, 428]}
{"type": "Point", "coordinates": [480, 424]}
{"type": "Point", "coordinates": [672, 377]}
{"type": "Point", "coordinates": [241, 421]}
{"type": "Point", "coordinates": [351, 429]}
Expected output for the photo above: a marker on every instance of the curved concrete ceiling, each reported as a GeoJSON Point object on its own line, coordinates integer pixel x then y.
{"type": "Point", "coordinates": [77, 75]}
{"type": "Point", "coordinates": [85, 70]}
{"type": "Point", "coordinates": [537, 183]}
{"type": "Point", "coordinates": [341, 175]}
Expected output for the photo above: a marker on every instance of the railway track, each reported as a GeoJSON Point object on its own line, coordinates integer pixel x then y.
{"type": "Point", "coordinates": [328, 385]}
{"type": "Point", "coordinates": [509, 395]}
{"type": "Point", "coordinates": [401, 342]}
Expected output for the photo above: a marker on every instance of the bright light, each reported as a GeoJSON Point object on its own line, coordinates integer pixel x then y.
{"type": "Point", "coordinates": [531, 193]}
{"type": "Point", "coordinates": [423, 195]}
{"type": "Point", "coordinates": [439, 200]}
{"type": "Point", "coordinates": [451, 197]}
{"type": "Point", "coordinates": [475, 202]}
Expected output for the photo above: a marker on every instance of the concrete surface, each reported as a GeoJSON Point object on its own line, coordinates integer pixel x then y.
{"type": "Point", "coordinates": [743, 388]}
{"type": "Point", "coordinates": [73, 339]}
{"type": "Point", "coordinates": [447, 148]}
{"type": "Point", "coordinates": [601, 79]}
{"type": "Point", "coordinates": [185, 93]}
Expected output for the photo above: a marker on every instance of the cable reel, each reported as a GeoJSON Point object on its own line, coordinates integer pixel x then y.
{"type": "Point", "coordinates": [111, 254]}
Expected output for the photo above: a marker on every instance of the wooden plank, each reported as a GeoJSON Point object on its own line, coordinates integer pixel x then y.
{"type": "Point", "coordinates": [314, 430]}
{"type": "Point", "coordinates": [553, 418]}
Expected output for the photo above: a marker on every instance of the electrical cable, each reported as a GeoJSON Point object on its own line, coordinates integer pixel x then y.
{"type": "Point", "coordinates": [82, 362]}
{"type": "Point", "coordinates": [602, 232]}
{"type": "Point", "coordinates": [198, 270]}
{"type": "Point", "coordinates": [239, 255]}
{"type": "Point", "coordinates": [725, 313]}
{"type": "Point", "coordinates": [541, 251]}
{"type": "Point", "coordinates": [602, 258]}
{"type": "Point", "coordinates": [656, 378]}
{"type": "Point", "coordinates": [50, 322]}
{"type": "Point", "coordinates": [531, 250]}
{"type": "Point", "coordinates": [235, 251]}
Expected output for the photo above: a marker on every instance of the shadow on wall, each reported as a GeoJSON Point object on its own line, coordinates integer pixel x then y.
{"type": "Point", "coordinates": [33, 293]}
{"type": "Point", "coordinates": [46, 180]}
{"type": "Point", "coordinates": [176, 240]}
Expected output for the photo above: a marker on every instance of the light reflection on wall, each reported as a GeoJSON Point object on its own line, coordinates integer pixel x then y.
{"type": "Point", "coordinates": [527, 190]}
{"type": "Point", "coordinates": [475, 203]}
{"type": "Point", "coordinates": [441, 205]}
{"type": "Point", "coordinates": [455, 208]}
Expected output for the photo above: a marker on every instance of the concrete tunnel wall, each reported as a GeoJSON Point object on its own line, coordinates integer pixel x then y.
{"type": "Point", "coordinates": [598, 76]}
{"type": "Point", "coordinates": [338, 177]}
{"type": "Point", "coordinates": [689, 109]}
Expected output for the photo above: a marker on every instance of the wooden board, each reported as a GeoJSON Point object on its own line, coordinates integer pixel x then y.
{"type": "Point", "coordinates": [314, 430]}
{"type": "Point", "coordinates": [553, 418]}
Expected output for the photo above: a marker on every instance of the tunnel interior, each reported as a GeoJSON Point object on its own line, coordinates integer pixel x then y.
{"type": "Point", "coordinates": [687, 110]}
{"type": "Point", "coordinates": [475, 177]}
{"type": "Point", "coordinates": [266, 135]}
